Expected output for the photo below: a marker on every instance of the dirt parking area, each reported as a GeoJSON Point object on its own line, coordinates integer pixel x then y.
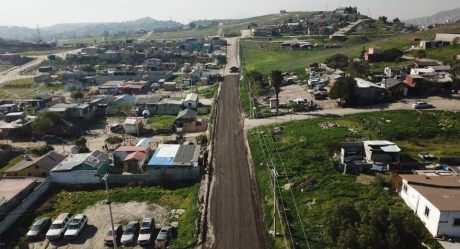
{"type": "Point", "coordinates": [99, 222]}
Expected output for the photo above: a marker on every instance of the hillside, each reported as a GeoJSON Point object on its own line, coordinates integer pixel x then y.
{"type": "Point", "coordinates": [75, 30]}
{"type": "Point", "coordinates": [441, 17]}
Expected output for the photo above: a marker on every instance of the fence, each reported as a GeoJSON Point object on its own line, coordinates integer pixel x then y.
{"type": "Point", "coordinates": [17, 212]}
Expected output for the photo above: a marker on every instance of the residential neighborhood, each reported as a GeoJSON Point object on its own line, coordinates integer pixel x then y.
{"type": "Point", "coordinates": [314, 126]}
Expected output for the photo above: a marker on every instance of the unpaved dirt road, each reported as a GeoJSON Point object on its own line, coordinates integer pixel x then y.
{"type": "Point", "coordinates": [98, 223]}
{"type": "Point", "coordinates": [236, 219]}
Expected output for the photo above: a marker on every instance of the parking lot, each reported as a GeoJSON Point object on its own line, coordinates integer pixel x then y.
{"type": "Point", "coordinates": [94, 233]}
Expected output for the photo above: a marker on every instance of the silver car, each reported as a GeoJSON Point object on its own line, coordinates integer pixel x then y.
{"type": "Point", "coordinates": [130, 233]}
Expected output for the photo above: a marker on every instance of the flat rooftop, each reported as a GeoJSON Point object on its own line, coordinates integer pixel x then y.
{"type": "Point", "coordinates": [9, 188]}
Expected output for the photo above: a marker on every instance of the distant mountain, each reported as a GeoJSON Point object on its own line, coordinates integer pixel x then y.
{"type": "Point", "coordinates": [75, 30]}
{"type": "Point", "coordinates": [441, 17]}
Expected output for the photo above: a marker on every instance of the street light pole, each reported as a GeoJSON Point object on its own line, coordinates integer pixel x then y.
{"type": "Point", "coordinates": [110, 210]}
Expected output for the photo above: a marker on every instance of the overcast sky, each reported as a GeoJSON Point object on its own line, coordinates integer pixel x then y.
{"type": "Point", "coordinates": [47, 12]}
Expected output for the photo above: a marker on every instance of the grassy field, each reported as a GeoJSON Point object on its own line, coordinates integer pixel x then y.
{"type": "Point", "coordinates": [305, 153]}
{"type": "Point", "coordinates": [184, 198]}
{"type": "Point", "coordinates": [207, 91]}
{"type": "Point", "coordinates": [266, 56]}
{"type": "Point", "coordinates": [26, 88]}
{"type": "Point", "coordinates": [162, 122]}
{"type": "Point", "coordinates": [11, 163]}
{"type": "Point", "coordinates": [185, 33]}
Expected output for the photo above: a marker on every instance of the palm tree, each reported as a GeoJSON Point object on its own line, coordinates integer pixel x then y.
{"type": "Point", "coordinates": [276, 80]}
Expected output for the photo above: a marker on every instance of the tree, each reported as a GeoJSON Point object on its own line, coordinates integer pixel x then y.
{"type": "Point", "coordinates": [359, 69]}
{"type": "Point", "coordinates": [192, 25]}
{"type": "Point", "coordinates": [276, 80]}
{"type": "Point", "coordinates": [396, 20]}
{"type": "Point", "coordinates": [337, 61]}
{"type": "Point", "coordinates": [221, 59]}
{"type": "Point", "coordinates": [114, 140]}
{"type": "Point", "coordinates": [81, 143]}
{"type": "Point", "coordinates": [390, 55]}
{"type": "Point", "coordinates": [344, 89]}
{"type": "Point", "coordinates": [77, 95]}
{"type": "Point", "coordinates": [383, 19]}
{"type": "Point", "coordinates": [363, 53]}
{"type": "Point", "coordinates": [45, 123]}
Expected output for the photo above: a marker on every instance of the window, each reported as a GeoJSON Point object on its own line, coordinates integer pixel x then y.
{"type": "Point", "coordinates": [427, 212]}
{"type": "Point", "coordinates": [457, 222]}
{"type": "Point", "coordinates": [405, 188]}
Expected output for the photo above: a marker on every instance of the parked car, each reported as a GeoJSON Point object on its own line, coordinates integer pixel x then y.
{"type": "Point", "coordinates": [130, 233]}
{"type": "Point", "coordinates": [77, 224]}
{"type": "Point", "coordinates": [39, 228]}
{"type": "Point", "coordinates": [422, 105]}
{"type": "Point", "coordinates": [145, 234]}
{"type": "Point", "coordinates": [109, 239]}
{"type": "Point", "coordinates": [117, 128]}
{"type": "Point", "coordinates": [58, 226]}
{"type": "Point", "coordinates": [164, 237]}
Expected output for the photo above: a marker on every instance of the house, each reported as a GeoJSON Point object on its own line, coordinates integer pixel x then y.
{"type": "Point", "coordinates": [186, 116]}
{"type": "Point", "coordinates": [132, 125]}
{"type": "Point", "coordinates": [393, 71]}
{"type": "Point", "coordinates": [393, 87]}
{"type": "Point", "coordinates": [122, 103]}
{"type": "Point", "coordinates": [175, 163]}
{"type": "Point", "coordinates": [169, 86]}
{"type": "Point", "coordinates": [85, 168]}
{"type": "Point", "coordinates": [38, 167]}
{"type": "Point", "coordinates": [265, 31]}
{"type": "Point", "coordinates": [435, 199]}
{"type": "Point", "coordinates": [191, 101]}
{"type": "Point", "coordinates": [134, 87]}
{"type": "Point", "coordinates": [149, 103]}
{"type": "Point", "coordinates": [430, 44]}
{"type": "Point", "coordinates": [373, 54]}
{"type": "Point", "coordinates": [13, 192]}
{"type": "Point", "coordinates": [450, 38]}
{"type": "Point", "coordinates": [368, 92]}
{"type": "Point", "coordinates": [413, 80]}
{"type": "Point", "coordinates": [131, 158]}
{"type": "Point", "coordinates": [169, 107]}
{"type": "Point", "coordinates": [7, 108]}
{"type": "Point", "coordinates": [110, 87]}
{"type": "Point", "coordinates": [45, 69]}
{"type": "Point", "coordinates": [367, 155]}
{"type": "Point", "coordinates": [440, 69]}
{"type": "Point", "coordinates": [73, 110]}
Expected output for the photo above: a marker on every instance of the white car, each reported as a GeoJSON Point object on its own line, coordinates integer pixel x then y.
{"type": "Point", "coordinates": [130, 233]}
{"type": "Point", "coordinates": [145, 234]}
{"type": "Point", "coordinates": [422, 105]}
{"type": "Point", "coordinates": [77, 224]}
{"type": "Point", "coordinates": [58, 226]}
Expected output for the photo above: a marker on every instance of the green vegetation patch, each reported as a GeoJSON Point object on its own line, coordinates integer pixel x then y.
{"type": "Point", "coordinates": [161, 122]}
{"type": "Point", "coordinates": [304, 152]}
{"type": "Point", "coordinates": [11, 163]}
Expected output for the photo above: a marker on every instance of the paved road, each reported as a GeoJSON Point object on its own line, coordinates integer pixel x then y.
{"type": "Point", "coordinates": [15, 73]}
{"type": "Point", "coordinates": [344, 30]}
{"type": "Point", "coordinates": [235, 211]}
{"type": "Point", "coordinates": [444, 104]}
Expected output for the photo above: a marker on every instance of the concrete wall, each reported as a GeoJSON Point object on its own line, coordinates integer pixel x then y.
{"type": "Point", "coordinates": [446, 224]}
{"type": "Point", "coordinates": [25, 205]}
{"type": "Point", "coordinates": [76, 177]}
{"type": "Point", "coordinates": [174, 174]}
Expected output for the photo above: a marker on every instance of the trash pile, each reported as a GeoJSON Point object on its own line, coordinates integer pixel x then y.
{"type": "Point", "coordinates": [329, 125]}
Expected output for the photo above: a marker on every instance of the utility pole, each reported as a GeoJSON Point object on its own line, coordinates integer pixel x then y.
{"type": "Point", "coordinates": [110, 210]}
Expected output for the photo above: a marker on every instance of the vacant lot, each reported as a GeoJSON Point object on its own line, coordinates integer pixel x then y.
{"type": "Point", "coordinates": [304, 151]}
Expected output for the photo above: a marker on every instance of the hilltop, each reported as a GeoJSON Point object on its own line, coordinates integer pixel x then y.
{"type": "Point", "coordinates": [441, 17]}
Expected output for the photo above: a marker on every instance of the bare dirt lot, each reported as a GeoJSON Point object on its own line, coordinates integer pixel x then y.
{"type": "Point", "coordinates": [99, 222]}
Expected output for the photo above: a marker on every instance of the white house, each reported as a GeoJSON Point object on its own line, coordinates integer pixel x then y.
{"type": "Point", "coordinates": [191, 101]}
{"type": "Point", "coordinates": [435, 199]}
{"type": "Point", "coordinates": [132, 125]}
{"type": "Point", "coordinates": [86, 168]}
